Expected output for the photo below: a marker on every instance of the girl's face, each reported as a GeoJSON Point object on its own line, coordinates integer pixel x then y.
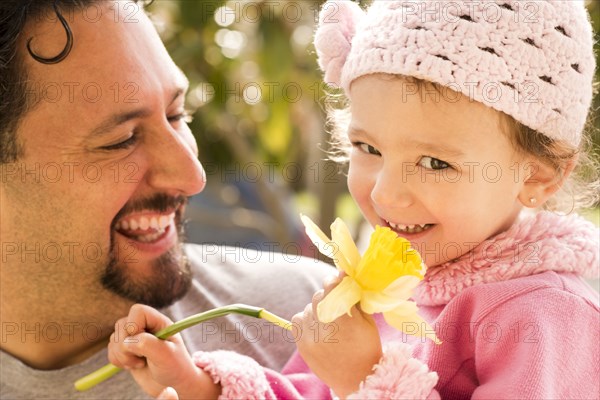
{"type": "Point", "coordinates": [435, 167]}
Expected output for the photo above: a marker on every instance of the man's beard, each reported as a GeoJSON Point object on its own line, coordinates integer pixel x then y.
{"type": "Point", "coordinates": [168, 281]}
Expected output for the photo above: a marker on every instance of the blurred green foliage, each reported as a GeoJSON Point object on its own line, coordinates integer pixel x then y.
{"type": "Point", "coordinates": [252, 72]}
{"type": "Point", "coordinates": [257, 89]}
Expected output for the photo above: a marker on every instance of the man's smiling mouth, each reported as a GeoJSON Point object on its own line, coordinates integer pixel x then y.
{"type": "Point", "coordinates": [149, 221]}
{"type": "Point", "coordinates": [145, 226]}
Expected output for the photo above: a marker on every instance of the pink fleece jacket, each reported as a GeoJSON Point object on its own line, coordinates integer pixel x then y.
{"type": "Point", "coordinates": [515, 317]}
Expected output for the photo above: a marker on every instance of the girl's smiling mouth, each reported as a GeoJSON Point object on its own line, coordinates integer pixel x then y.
{"type": "Point", "coordinates": [408, 228]}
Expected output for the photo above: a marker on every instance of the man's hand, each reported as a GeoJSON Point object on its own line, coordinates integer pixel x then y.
{"type": "Point", "coordinates": [155, 363]}
{"type": "Point", "coordinates": [341, 353]}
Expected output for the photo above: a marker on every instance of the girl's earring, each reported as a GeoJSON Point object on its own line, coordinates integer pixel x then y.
{"type": "Point", "coordinates": [532, 200]}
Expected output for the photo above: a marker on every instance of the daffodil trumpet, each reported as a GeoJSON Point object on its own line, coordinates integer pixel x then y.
{"type": "Point", "coordinates": [380, 281]}
{"type": "Point", "coordinates": [104, 373]}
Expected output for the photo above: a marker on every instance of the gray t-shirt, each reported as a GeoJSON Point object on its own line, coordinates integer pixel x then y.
{"type": "Point", "coordinates": [223, 275]}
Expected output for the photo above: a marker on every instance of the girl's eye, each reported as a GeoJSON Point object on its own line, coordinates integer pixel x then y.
{"type": "Point", "coordinates": [367, 148]}
{"type": "Point", "coordinates": [433, 163]}
{"type": "Point", "coordinates": [125, 144]}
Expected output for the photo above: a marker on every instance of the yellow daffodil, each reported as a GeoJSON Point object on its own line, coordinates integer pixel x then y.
{"type": "Point", "coordinates": [381, 281]}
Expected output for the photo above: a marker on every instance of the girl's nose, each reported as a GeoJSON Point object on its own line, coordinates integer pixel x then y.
{"type": "Point", "coordinates": [392, 189]}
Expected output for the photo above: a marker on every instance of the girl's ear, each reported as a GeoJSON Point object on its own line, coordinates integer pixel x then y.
{"type": "Point", "coordinates": [543, 180]}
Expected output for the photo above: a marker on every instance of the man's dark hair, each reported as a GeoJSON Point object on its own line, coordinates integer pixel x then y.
{"type": "Point", "coordinates": [14, 15]}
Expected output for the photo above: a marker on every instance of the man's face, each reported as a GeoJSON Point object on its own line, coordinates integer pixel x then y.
{"type": "Point", "coordinates": [97, 200]}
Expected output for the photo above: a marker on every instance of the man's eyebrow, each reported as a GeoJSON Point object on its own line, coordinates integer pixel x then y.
{"type": "Point", "coordinates": [115, 120]}
{"type": "Point", "coordinates": [118, 119]}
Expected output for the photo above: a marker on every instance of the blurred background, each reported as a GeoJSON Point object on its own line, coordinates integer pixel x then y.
{"type": "Point", "coordinates": [259, 120]}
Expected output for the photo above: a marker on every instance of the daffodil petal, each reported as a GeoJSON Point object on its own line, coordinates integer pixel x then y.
{"type": "Point", "coordinates": [406, 308]}
{"type": "Point", "coordinates": [318, 237]}
{"type": "Point", "coordinates": [342, 264]}
{"type": "Point", "coordinates": [340, 234]}
{"type": "Point", "coordinates": [339, 301]}
{"type": "Point", "coordinates": [406, 319]}
{"type": "Point", "coordinates": [387, 258]}
{"type": "Point", "coordinates": [373, 302]}
{"type": "Point", "coordinates": [402, 287]}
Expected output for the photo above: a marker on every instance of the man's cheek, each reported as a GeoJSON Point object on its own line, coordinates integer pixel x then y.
{"type": "Point", "coordinates": [191, 142]}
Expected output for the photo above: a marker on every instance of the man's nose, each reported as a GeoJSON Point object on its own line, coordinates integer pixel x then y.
{"type": "Point", "coordinates": [175, 166]}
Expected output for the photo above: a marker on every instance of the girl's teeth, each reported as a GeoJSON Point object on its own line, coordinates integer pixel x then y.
{"type": "Point", "coordinates": [409, 228]}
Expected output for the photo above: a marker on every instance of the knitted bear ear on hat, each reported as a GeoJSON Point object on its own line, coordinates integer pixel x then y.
{"type": "Point", "coordinates": [333, 38]}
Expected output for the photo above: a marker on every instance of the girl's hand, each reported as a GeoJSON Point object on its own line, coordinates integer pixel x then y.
{"type": "Point", "coordinates": [168, 394]}
{"type": "Point", "coordinates": [341, 353]}
{"type": "Point", "coordinates": [155, 363]}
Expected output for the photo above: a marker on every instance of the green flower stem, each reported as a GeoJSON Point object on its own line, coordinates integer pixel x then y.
{"type": "Point", "coordinates": [274, 319]}
{"type": "Point", "coordinates": [104, 373]}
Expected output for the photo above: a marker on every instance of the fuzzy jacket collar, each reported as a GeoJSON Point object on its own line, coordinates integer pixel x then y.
{"type": "Point", "coordinates": [534, 244]}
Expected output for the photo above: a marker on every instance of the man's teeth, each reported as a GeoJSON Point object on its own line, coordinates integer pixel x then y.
{"type": "Point", "coordinates": [408, 228]}
{"type": "Point", "coordinates": [150, 237]}
{"type": "Point", "coordinates": [156, 225]}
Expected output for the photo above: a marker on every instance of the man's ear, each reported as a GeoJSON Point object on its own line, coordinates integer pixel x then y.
{"type": "Point", "coordinates": [543, 180]}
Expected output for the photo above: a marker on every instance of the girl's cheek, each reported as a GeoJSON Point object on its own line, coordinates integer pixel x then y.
{"type": "Point", "coordinates": [357, 186]}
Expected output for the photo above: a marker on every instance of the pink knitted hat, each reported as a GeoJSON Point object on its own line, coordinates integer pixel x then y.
{"type": "Point", "coordinates": [532, 60]}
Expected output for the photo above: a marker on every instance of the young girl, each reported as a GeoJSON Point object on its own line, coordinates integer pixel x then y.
{"type": "Point", "coordinates": [464, 126]}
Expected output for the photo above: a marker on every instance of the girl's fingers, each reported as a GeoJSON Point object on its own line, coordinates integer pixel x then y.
{"type": "Point", "coordinates": [316, 299]}
{"type": "Point", "coordinates": [318, 296]}
{"type": "Point", "coordinates": [143, 318]}
{"type": "Point", "coordinates": [168, 394]}
{"type": "Point", "coordinates": [121, 329]}
{"type": "Point", "coordinates": [303, 318]}
{"type": "Point", "coordinates": [121, 356]}
{"type": "Point", "coordinates": [131, 330]}
{"type": "Point", "coordinates": [332, 281]}
{"type": "Point", "coordinates": [157, 351]}
{"type": "Point", "coordinates": [297, 320]}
